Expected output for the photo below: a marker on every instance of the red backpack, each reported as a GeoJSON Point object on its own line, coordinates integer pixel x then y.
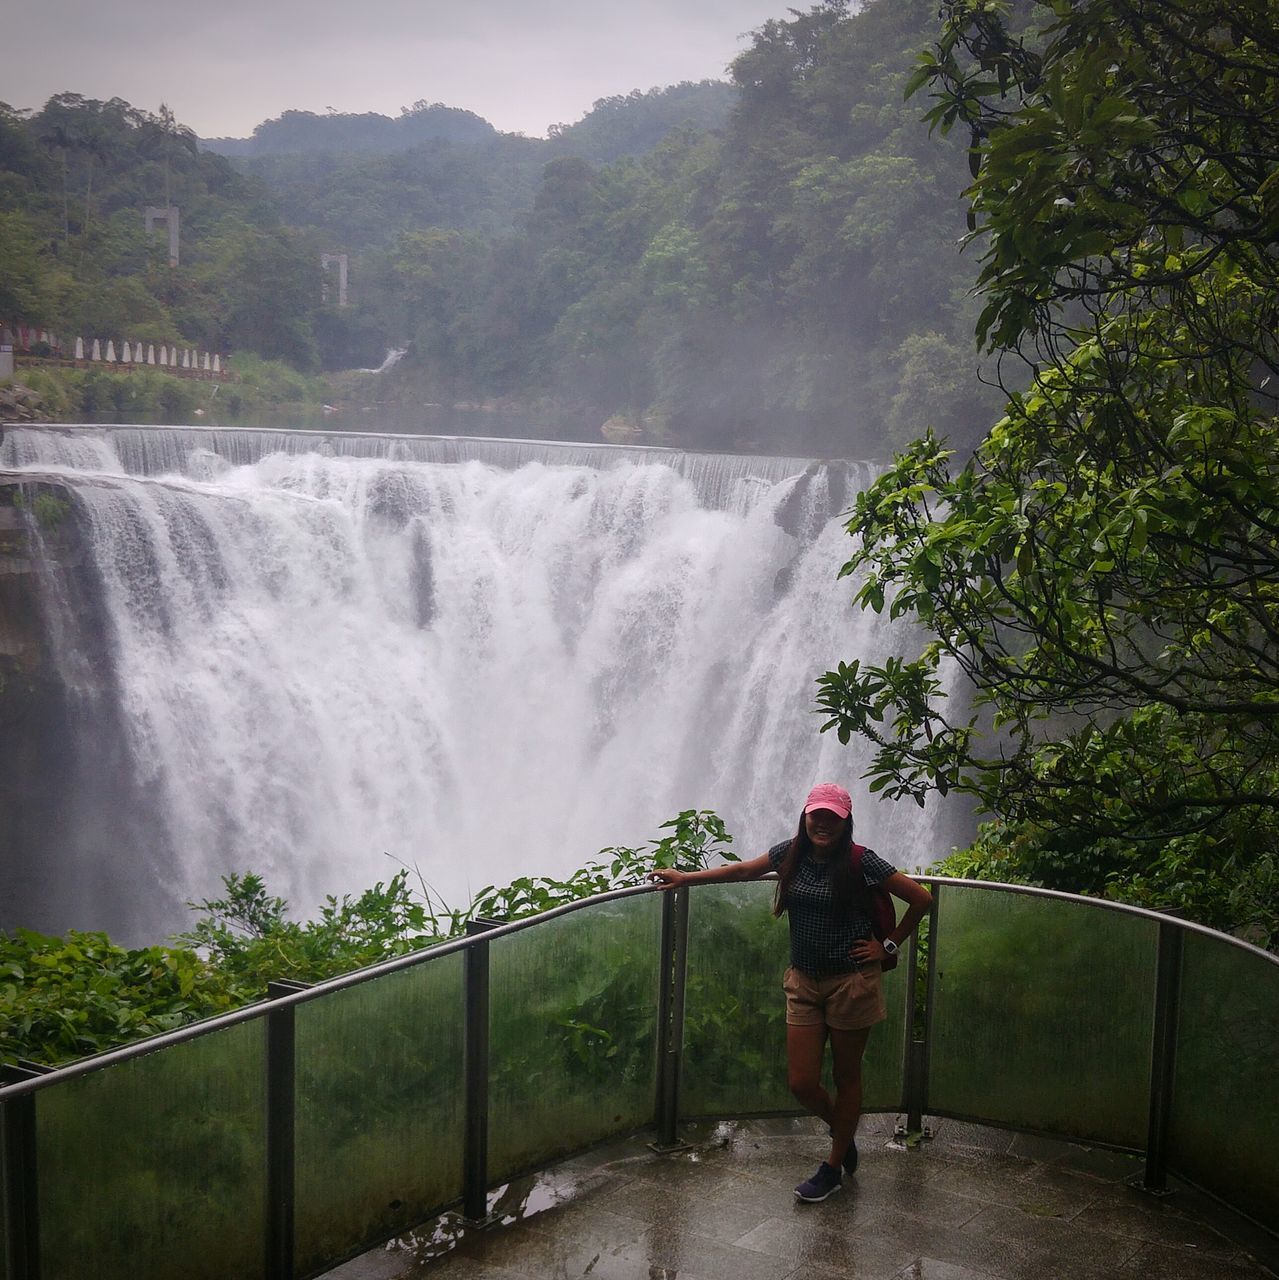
{"type": "Point", "coordinates": [883, 915]}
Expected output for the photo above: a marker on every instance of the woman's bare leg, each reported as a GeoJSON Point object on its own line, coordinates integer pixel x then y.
{"type": "Point", "coordinates": [847, 1048]}
{"type": "Point", "coordinates": [805, 1049]}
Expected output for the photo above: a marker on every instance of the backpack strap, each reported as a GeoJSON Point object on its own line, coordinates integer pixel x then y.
{"type": "Point", "coordinates": [883, 915]}
{"type": "Point", "coordinates": [857, 851]}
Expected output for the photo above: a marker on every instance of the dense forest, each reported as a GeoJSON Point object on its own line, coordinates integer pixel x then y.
{"type": "Point", "coordinates": [770, 263]}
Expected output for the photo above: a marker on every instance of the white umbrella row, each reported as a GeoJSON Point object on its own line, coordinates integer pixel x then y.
{"type": "Point", "coordinates": [165, 356]}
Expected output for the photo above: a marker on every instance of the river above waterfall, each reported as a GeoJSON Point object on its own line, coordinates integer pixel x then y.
{"type": "Point", "coordinates": [329, 656]}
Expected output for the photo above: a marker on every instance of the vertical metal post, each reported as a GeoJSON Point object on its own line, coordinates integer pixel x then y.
{"type": "Point", "coordinates": [281, 1122]}
{"type": "Point", "coordinates": [912, 1102]}
{"type": "Point", "coordinates": [1163, 1057]}
{"type": "Point", "coordinates": [475, 1068]}
{"type": "Point", "coordinates": [21, 1204]}
{"type": "Point", "coordinates": [670, 1018]}
{"type": "Point", "coordinates": [919, 1051]}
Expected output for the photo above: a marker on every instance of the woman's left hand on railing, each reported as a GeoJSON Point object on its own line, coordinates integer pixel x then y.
{"type": "Point", "coordinates": [668, 877]}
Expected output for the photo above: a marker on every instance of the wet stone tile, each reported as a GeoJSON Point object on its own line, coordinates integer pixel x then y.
{"type": "Point", "coordinates": [870, 1198]}
{"type": "Point", "coordinates": [556, 1244]}
{"type": "Point", "coordinates": [453, 1267]}
{"type": "Point", "coordinates": [1112, 1166]}
{"type": "Point", "coordinates": [954, 1245]}
{"type": "Point", "coordinates": [688, 1169]}
{"type": "Point", "coordinates": [1085, 1247]}
{"type": "Point", "coordinates": [932, 1269]}
{"type": "Point", "coordinates": [1154, 1221]}
{"type": "Point", "coordinates": [1009, 1181]}
{"type": "Point", "coordinates": [699, 1258]}
{"type": "Point", "coordinates": [1080, 1188]}
{"type": "Point", "coordinates": [1159, 1262]}
{"type": "Point", "coordinates": [820, 1241]}
{"type": "Point", "coordinates": [973, 1139]}
{"type": "Point", "coordinates": [651, 1203]}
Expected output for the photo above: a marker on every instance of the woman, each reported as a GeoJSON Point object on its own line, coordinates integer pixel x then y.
{"type": "Point", "coordinates": [833, 983]}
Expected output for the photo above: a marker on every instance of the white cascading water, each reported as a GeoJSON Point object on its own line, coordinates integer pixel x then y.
{"type": "Point", "coordinates": [393, 357]}
{"type": "Point", "coordinates": [336, 656]}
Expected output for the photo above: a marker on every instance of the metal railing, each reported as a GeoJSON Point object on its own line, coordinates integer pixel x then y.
{"type": "Point", "coordinates": [1035, 1010]}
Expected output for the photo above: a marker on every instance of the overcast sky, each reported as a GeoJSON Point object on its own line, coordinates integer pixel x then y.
{"type": "Point", "coordinates": [227, 66]}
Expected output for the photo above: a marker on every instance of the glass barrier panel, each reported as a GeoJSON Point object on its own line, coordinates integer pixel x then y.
{"type": "Point", "coordinates": [1043, 1015]}
{"type": "Point", "coordinates": [156, 1167]}
{"type": "Point", "coordinates": [735, 1012]}
{"type": "Point", "coordinates": [4, 1199]}
{"type": "Point", "coordinates": [379, 1109]}
{"type": "Point", "coordinates": [573, 1018]}
{"type": "Point", "coordinates": [1225, 1118]}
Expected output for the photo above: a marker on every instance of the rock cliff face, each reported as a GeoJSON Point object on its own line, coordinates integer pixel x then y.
{"type": "Point", "coordinates": [60, 750]}
{"type": "Point", "coordinates": [21, 404]}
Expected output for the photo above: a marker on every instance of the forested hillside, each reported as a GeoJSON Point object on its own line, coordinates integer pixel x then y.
{"type": "Point", "coordinates": [793, 281]}
{"type": "Point", "coordinates": [75, 178]}
{"type": "Point", "coordinates": [767, 264]}
{"type": "Point", "coordinates": [297, 132]}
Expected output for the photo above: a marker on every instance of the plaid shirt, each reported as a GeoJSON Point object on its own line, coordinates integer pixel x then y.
{"type": "Point", "coordinates": [819, 935]}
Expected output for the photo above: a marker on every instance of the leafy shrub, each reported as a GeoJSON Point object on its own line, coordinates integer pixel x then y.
{"type": "Point", "coordinates": [696, 837]}
{"type": "Point", "coordinates": [248, 938]}
{"type": "Point", "coordinates": [63, 998]}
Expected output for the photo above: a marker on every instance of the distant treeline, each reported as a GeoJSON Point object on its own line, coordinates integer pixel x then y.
{"type": "Point", "coordinates": [790, 279]}
{"type": "Point", "coordinates": [770, 263]}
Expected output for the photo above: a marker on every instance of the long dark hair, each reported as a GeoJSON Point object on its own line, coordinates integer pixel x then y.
{"type": "Point", "coordinates": [844, 888]}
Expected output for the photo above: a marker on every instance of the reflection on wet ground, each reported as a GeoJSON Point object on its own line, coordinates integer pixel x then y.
{"type": "Point", "coordinates": [967, 1204]}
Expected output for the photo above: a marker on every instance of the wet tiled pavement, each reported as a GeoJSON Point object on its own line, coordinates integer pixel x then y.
{"type": "Point", "coordinates": [969, 1204]}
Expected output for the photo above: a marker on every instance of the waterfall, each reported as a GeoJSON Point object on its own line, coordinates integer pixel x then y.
{"type": "Point", "coordinates": [335, 655]}
{"type": "Point", "coordinates": [393, 357]}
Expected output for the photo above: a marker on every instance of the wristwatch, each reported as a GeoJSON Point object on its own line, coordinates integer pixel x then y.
{"type": "Point", "coordinates": [890, 947]}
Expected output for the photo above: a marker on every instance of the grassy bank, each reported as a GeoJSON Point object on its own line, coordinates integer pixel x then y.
{"type": "Point", "coordinates": [259, 390]}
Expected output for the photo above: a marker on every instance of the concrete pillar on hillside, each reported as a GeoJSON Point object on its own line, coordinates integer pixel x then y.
{"type": "Point", "coordinates": [79, 348]}
{"type": "Point", "coordinates": [338, 260]}
{"type": "Point", "coordinates": [150, 353]}
{"type": "Point", "coordinates": [110, 356]}
{"type": "Point", "coordinates": [186, 358]}
{"type": "Point", "coordinates": [6, 353]}
{"type": "Point", "coordinates": [169, 216]}
{"type": "Point", "coordinates": [217, 363]}
{"type": "Point", "coordinates": [126, 352]}
{"type": "Point", "coordinates": [205, 365]}
{"type": "Point", "coordinates": [97, 349]}
{"type": "Point", "coordinates": [164, 355]}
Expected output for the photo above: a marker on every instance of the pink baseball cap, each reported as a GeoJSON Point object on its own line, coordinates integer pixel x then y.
{"type": "Point", "coordinates": [829, 795]}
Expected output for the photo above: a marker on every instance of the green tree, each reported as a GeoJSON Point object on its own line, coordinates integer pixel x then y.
{"type": "Point", "coordinates": [1105, 572]}
{"type": "Point", "coordinates": [162, 134]}
{"type": "Point", "coordinates": [24, 287]}
{"type": "Point", "coordinates": [267, 285]}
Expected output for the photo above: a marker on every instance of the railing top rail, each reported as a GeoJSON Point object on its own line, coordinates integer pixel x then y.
{"type": "Point", "coordinates": [1125, 908]}
{"type": "Point", "coordinates": [261, 1008]}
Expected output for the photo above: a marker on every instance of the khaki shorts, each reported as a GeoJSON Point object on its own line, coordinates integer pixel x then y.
{"type": "Point", "coordinates": [843, 1001]}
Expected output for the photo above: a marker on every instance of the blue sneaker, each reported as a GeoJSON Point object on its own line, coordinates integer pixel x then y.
{"type": "Point", "coordinates": [825, 1182]}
